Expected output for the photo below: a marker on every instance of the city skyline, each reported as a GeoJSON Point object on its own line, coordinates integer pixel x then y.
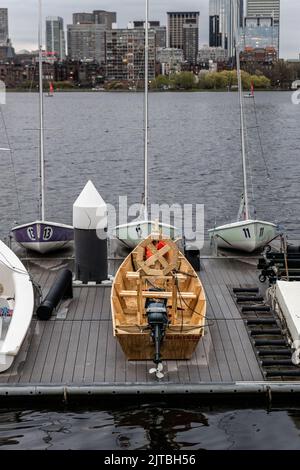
{"type": "Point", "coordinates": [23, 17]}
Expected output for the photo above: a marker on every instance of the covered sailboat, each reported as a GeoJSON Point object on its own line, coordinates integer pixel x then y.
{"type": "Point", "coordinates": [16, 305]}
{"type": "Point", "coordinates": [158, 303]}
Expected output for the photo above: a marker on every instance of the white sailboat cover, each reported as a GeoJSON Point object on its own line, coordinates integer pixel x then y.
{"type": "Point", "coordinates": [17, 291]}
{"type": "Point", "coordinates": [288, 299]}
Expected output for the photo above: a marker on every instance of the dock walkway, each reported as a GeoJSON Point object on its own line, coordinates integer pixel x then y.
{"type": "Point", "coordinates": [76, 349]}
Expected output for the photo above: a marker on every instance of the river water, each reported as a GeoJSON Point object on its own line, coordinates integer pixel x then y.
{"type": "Point", "coordinates": [150, 427]}
{"type": "Point", "coordinates": [194, 153]}
{"type": "Point", "coordinates": [194, 157]}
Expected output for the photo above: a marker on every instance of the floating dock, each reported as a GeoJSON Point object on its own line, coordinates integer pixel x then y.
{"type": "Point", "coordinates": [244, 350]}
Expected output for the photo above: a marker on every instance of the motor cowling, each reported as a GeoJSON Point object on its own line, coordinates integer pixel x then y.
{"type": "Point", "coordinates": [157, 315]}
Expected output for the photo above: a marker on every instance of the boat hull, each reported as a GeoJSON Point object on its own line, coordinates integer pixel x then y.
{"type": "Point", "coordinates": [139, 346]}
{"type": "Point", "coordinates": [136, 282]}
{"type": "Point", "coordinates": [16, 305]}
{"type": "Point", "coordinates": [248, 236]}
{"type": "Point", "coordinates": [43, 237]}
{"type": "Point", "coordinates": [133, 233]}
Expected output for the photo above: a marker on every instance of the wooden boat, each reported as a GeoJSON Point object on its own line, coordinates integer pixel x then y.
{"type": "Point", "coordinates": [16, 305]}
{"type": "Point", "coordinates": [158, 303]}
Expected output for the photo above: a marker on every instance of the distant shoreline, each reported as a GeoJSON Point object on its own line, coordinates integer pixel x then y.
{"type": "Point", "coordinates": [88, 90]}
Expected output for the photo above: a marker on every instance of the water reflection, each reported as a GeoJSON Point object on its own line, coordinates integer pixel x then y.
{"type": "Point", "coordinates": [161, 425]}
{"type": "Point", "coordinates": [156, 427]}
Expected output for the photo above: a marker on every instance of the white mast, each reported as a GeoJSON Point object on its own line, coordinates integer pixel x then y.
{"type": "Point", "coordinates": [146, 202]}
{"type": "Point", "coordinates": [243, 140]}
{"type": "Point", "coordinates": [41, 112]}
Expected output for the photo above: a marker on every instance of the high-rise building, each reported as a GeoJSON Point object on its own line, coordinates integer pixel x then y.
{"type": "Point", "coordinates": [225, 23]}
{"type": "Point", "coordinates": [125, 54]}
{"type": "Point", "coordinates": [260, 32]}
{"type": "Point", "coordinates": [105, 18]}
{"type": "Point", "coordinates": [86, 36]}
{"type": "Point", "coordinates": [55, 37]}
{"type": "Point", "coordinates": [86, 42]}
{"type": "Point", "coordinates": [160, 31]}
{"type": "Point", "coordinates": [83, 18]}
{"type": "Point", "coordinates": [266, 9]}
{"type": "Point", "coordinates": [3, 26]}
{"type": "Point", "coordinates": [183, 33]}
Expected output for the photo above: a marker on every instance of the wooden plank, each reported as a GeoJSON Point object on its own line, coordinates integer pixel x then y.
{"type": "Point", "coordinates": [120, 371]}
{"type": "Point", "coordinates": [89, 308]}
{"type": "Point", "coordinates": [38, 330]}
{"type": "Point", "coordinates": [62, 351]}
{"type": "Point", "coordinates": [202, 363]}
{"type": "Point", "coordinates": [110, 361]}
{"type": "Point", "coordinates": [72, 352]}
{"type": "Point", "coordinates": [101, 351]}
{"type": "Point", "coordinates": [213, 365]}
{"type": "Point", "coordinates": [76, 302]}
{"type": "Point", "coordinates": [80, 311]}
{"type": "Point", "coordinates": [90, 364]}
{"type": "Point", "coordinates": [80, 360]}
{"type": "Point", "coordinates": [106, 311]}
{"type": "Point", "coordinates": [50, 359]}
{"type": "Point", "coordinates": [97, 308]}
{"type": "Point", "coordinates": [42, 353]}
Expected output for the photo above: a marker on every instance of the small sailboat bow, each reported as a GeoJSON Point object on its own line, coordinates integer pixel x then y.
{"type": "Point", "coordinates": [158, 304]}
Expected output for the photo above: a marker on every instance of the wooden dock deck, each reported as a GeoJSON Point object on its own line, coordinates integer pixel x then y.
{"type": "Point", "coordinates": [76, 348]}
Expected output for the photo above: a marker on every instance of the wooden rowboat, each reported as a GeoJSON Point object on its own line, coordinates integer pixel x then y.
{"type": "Point", "coordinates": [158, 303]}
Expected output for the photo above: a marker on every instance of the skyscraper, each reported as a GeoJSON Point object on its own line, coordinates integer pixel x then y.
{"type": "Point", "coordinates": [86, 36]}
{"type": "Point", "coordinates": [3, 26]}
{"type": "Point", "coordinates": [105, 18]}
{"type": "Point", "coordinates": [160, 31]}
{"type": "Point", "coordinates": [55, 37]}
{"type": "Point", "coordinates": [225, 22]}
{"type": "Point", "coordinates": [183, 33]}
{"type": "Point", "coordinates": [266, 9]}
{"type": "Point", "coordinates": [86, 42]}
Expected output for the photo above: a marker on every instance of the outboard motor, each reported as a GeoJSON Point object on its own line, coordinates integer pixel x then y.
{"type": "Point", "coordinates": [157, 315]}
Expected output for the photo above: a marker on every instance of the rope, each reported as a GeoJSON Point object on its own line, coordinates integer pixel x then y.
{"type": "Point", "coordinates": [11, 161]}
{"type": "Point", "coordinates": [248, 162]}
{"type": "Point", "coordinates": [260, 141]}
{"type": "Point", "coordinates": [188, 306]}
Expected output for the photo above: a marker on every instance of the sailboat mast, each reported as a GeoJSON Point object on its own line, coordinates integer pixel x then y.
{"type": "Point", "coordinates": [243, 140]}
{"type": "Point", "coordinates": [146, 118]}
{"type": "Point", "coordinates": [41, 115]}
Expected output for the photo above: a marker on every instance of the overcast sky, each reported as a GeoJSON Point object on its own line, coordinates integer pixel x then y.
{"type": "Point", "coordinates": [23, 17]}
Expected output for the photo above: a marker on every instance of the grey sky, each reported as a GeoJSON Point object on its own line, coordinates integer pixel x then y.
{"type": "Point", "coordinates": [23, 17]}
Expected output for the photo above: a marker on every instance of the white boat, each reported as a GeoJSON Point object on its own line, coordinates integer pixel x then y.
{"type": "Point", "coordinates": [16, 305]}
{"type": "Point", "coordinates": [285, 297]}
{"type": "Point", "coordinates": [42, 236]}
{"type": "Point", "coordinates": [132, 233]}
{"type": "Point", "coordinates": [246, 234]}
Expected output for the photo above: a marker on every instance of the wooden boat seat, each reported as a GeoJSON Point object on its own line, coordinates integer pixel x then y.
{"type": "Point", "coordinates": [135, 275]}
{"type": "Point", "coordinates": [158, 295]}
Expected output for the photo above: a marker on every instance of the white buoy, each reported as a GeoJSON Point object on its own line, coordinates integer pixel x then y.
{"type": "Point", "coordinates": [90, 235]}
